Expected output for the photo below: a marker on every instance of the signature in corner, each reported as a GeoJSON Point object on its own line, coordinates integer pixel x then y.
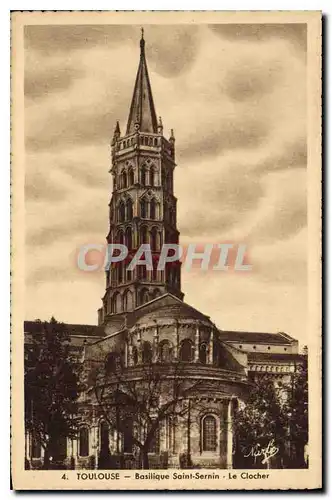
{"type": "Point", "coordinates": [268, 452]}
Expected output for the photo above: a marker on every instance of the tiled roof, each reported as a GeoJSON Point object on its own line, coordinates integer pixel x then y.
{"type": "Point", "coordinates": [86, 330]}
{"type": "Point", "coordinates": [256, 337]}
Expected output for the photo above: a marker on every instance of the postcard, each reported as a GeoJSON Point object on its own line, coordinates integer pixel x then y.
{"type": "Point", "coordinates": [166, 250]}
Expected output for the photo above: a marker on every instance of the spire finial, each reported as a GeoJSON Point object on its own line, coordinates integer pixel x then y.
{"type": "Point", "coordinates": [142, 41]}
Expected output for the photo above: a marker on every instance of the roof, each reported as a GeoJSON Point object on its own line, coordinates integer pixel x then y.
{"type": "Point", "coordinates": [270, 356]}
{"type": "Point", "coordinates": [173, 311]}
{"type": "Point", "coordinates": [85, 330]}
{"type": "Point", "coordinates": [142, 110]}
{"type": "Point", "coordinates": [167, 306]}
{"type": "Point", "coordinates": [256, 337]}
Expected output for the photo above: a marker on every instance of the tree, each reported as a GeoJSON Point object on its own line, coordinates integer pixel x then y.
{"type": "Point", "coordinates": [296, 410]}
{"type": "Point", "coordinates": [51, 388]}
{"type": "Point", "coordinates": [135, 400]}
{"type": "Point", "coordinates": [260, 426]}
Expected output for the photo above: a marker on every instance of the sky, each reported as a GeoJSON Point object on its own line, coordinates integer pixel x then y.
{"type": "Point", "coordinates": [235, 96]}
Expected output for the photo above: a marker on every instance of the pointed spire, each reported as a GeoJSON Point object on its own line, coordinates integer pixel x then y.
{"type": "Point", "coordinates": [142, 115]}
{"type": "Point", "coordinates": [116, 134]}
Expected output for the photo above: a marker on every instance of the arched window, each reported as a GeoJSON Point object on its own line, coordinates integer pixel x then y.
{"type": "Point", "coordinates": [131, 178]}
{"type": "Point", "coordinates": [153, 209]}
{"type": "Point", "coordinates": [209, 433]}
{"type": "Point", "coordinates": [186, 350]}
{"type": "Point", "coordinates": [122, 212]}
{"type": "Point", "coordinates": [120, 272]}
{"type": "Point", "coordinates": [84, 442]}
{"type": "Point", "coordinates": [143, 176]}
{"type": "Point", "coordinates": [165, 351]}
{"type": "Point", "coordinates": [203, 353]}
{"type": "Point", "coordinates": [151, 176]}
{"type": "Point", "coordinates": [129, 209]}
{"type": "Point", "coordinates": [124, 179]}
{"type": "Point", "coordinates": [35, 448]}
{"type": "Point", "coordinates": [120, 237]}
{"type": "Point", "coordinates": [144, 235]}
{"type": "Point", "coordinates": [144, 205]}
{"type": "Point", "coordinates": [147, 353]}
{"type": "Point", "coordinates": [154, 239]}
{"type": "Point", "coordinates": [129, 238]}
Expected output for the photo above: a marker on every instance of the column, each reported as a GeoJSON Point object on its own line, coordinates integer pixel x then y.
{"type": "Point", "coordinates": [177, 341]}
{"type": "Point", "coordinates": [229, 463]}
{"type": "Point", "coordinates": [139, 347]}
{"type": "Point", "coordinates": [130, 355]}
{"type": "Point", "coordinates": [211, 348]}
{"type": "Point", "coordinates": [196, 354]}
{"type": "Point", "coordinates": [155, 345]}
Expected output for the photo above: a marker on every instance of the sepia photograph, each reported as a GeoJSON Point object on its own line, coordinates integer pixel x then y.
{"type": "Point", "coordinates": [166, 291]}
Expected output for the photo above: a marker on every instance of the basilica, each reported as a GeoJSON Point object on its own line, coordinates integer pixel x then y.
{"type": "Point", "coordinates": [144, 321]}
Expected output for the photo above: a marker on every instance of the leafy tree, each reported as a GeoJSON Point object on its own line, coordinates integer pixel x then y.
{"type": "Point", "coordinates": [296, 410]}
{"type": "Point", "coordinates": [51, 388]}
{"type": "Point", "coordinates": [260, 426]}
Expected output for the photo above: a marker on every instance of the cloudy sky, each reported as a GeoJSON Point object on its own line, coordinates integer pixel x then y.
{"type": "Point", "coordinates": [236, 98]}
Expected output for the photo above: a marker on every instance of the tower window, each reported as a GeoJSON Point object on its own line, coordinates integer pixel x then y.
{"type": "Point", "coordinates": [131, 177]}
{"type": "Point", "coordinates": [209, 433]}
{"type": "Point", "coordinates": [129, 209]}
{"type": "Point", "coordinates": [124, 179]}
{"type": "Point", "coordinates": [143, 176]}
{"type": "Point", "coordinates": [122, 212]}
{"type": "Point", "coordinates": [129, 238]}
{"type": "Point", "coordinates": [151, 176]}
{"type": "Point", "coordinates": [154, 239]}
{"type": "Point", "coordinates": [144, 235]}
{"type": "Point", "coordinates": [153, 209]}
{"type": "Point", "coordinates": [144, 208]}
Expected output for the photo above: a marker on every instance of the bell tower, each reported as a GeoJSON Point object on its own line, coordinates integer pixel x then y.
{"type": "Point", "coordinates": [142, 208]}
